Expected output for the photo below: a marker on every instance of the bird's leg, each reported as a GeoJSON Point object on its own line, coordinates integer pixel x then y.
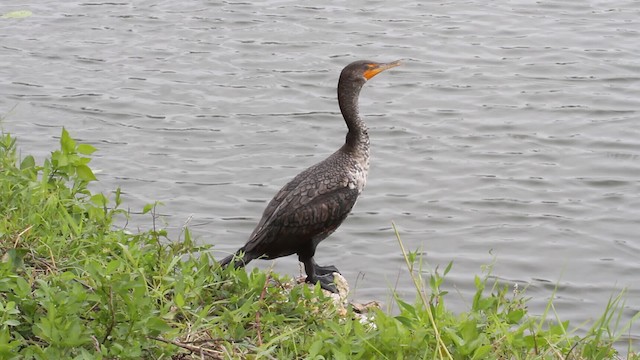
{"type": "Point", "coordinates": [319, 274]}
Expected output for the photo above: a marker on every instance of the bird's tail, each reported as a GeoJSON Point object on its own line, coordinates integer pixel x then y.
{"type": "Point", "coordinates": [238, 259]}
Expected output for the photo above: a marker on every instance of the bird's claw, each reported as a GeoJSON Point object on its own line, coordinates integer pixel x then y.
{"type": "Point", "coordinates": [326, 282]}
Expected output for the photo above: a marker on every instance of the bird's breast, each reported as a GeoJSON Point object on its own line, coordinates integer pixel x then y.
{"type": "Point", "coordinates": [358, 175]}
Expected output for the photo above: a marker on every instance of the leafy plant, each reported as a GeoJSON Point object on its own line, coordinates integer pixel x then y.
{"type": "Point", "coordinates": [74, 286]}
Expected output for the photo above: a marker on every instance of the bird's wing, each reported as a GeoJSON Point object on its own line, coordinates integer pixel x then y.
{"type": "Point", "coordinates": [318, 215]}
{"type": "Point", "coordinates": [281, 200]}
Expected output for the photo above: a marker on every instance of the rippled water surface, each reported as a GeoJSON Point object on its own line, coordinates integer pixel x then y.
{"type": "Point", "coordinates": [511, 132]}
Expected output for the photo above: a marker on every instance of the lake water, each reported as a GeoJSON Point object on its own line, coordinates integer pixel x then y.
{"type": "Point", "coordinates": [511, 134]}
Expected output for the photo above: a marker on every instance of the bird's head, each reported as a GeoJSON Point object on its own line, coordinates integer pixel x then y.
{"type": "Point", "coordinates": [362, 70]}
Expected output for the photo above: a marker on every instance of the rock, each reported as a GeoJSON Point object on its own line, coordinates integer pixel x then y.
{"type": "Point", "coordinates": [340, 299]}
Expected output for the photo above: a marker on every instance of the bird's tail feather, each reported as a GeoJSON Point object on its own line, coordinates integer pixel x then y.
{"type": "Point", "coordinates": [238, 259]}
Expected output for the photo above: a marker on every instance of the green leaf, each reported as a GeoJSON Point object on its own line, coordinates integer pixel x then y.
{"type": "Point", "coordinates": [448, 268]}
{"type": "Point", "coordinates": [99, 199]}
{"type": "Point", "coordinates": [469, 330]}
{"type": "Point", "coordinates": [83, 160]}
{"type": "Point", "coordinates": [118, 200]}
{"type": "Point", "coordinates": [515, 316]}
{"type": "Point", "coordinates": [10, 309]}
{"type": "Point", "coordinates": [147, 208]}
{"type": "Point", "coordinates": [19, 14]}
{"type": "Point", "coordinates": [412, 256]}
{"type": "Point", "coordinates": [315, 348]}
{"type": "Point", "coordinates": [7, 347]}
{"type": "Point", "coordinates": [11, 322]}
{"type": "Point", "coordinates": [158, 325]}
{"type": "Point", "coordinates": [67, 144]}
{"type": "Point", "coordinates": [178, 299]}
{"type": "Point", "coordinates": [482, 352]}
{"type": "Point", "coordinates": [406, 307]}
{"type": "Point", "coordinates": [86, 149]}
{"type": "Point", "coordinates": [62, 159]}
{"type": "Point", "coordinates": [22, 288]}
{"type": "Point", "coordinates": [405, 321]}
{"type": "Point", "coordinates": [85, 173]}
{"type": "Point", "coordinates": [339, 355]}
{"type": "Point", "coordinates": [187, 242]}
{"type": "Point", "coordinates": [74, 159]}
{"type": "Point", "coordinates": [27, 163]}
{"type": "Point", "coordinates": [15, 257]}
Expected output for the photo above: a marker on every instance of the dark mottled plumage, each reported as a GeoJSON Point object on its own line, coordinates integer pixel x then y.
{"type": "Point", "coordinates": [312, 205]}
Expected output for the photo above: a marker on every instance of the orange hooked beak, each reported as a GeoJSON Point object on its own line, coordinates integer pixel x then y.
{"type": "Point", "coordinates": [374, 69]}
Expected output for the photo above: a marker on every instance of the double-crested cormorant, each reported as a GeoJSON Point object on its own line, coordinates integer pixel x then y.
{"type": "Point", "coordinates": [312, 205]}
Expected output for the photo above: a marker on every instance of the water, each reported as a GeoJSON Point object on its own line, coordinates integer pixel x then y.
{"type": "Point", "coordinates": [510, 134]}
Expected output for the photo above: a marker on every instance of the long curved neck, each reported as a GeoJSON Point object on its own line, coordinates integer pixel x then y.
{"type": "Point", "coordinates": [357, 137]}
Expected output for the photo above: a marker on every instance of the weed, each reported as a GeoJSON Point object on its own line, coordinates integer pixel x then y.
{"type": "Point", "coordinates": [72, 285]}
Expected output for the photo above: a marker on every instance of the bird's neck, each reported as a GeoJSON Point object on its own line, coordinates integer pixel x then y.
{"type": "Point", "coordinates": [358, 136]}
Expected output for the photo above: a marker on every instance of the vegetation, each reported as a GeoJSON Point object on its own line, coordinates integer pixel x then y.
{"type": "Point", "coordinates": [73, 286]}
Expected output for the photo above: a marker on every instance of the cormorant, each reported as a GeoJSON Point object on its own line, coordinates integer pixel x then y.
{"type": "Point", "coordinates": [312, 205]}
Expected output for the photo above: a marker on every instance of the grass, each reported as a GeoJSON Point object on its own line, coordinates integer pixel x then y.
{"type": "Point", "coordinates": [74, 286]}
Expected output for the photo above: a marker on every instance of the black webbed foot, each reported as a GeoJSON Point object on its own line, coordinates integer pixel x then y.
{"type": "Point", "coordinates": [326, 282]}
{"type": "Point", "coordinates": [321, 274]}
{"type": "Point", "coordinates": [326, 270]}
